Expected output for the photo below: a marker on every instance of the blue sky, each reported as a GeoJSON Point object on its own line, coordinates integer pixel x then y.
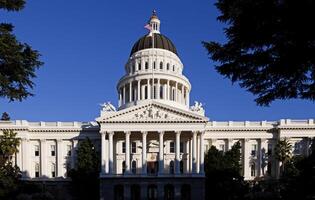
{"type": "Point", "coordinates": [85, 45]}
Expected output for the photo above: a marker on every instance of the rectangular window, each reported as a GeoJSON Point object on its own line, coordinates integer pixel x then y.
{"type": "Point", "coordinates": [134, 147]}
{"type": "Point", "coordinates": [53, 170]}
{"type": "Point", "coordinates": [36, 170]}
{"type": "Point", "coordinates": [254, 150]}
{"type": "Point", "coordinates": [182, 147]}
{"type": "Point", "coordinates": [36, 148]}
{"type": "Point", "coordinates": [53, 150]}
{"type": "Point", "coordinates": [172, 147]}
{"type": "Point", "coordinates": [123, 147]}
{"type": "Point", "coordinates": [69, 149]}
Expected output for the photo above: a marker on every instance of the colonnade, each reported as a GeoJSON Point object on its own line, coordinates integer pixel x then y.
{"type": "Point", "coordinates": [196, 153]}
{"type": "Point", "coordinates": [153, 88]}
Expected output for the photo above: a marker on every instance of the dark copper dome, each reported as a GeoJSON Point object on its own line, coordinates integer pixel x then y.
{"type": "Point", "coordinates": [160, 42]}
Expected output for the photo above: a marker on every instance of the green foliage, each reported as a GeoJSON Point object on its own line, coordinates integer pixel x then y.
{"type": "Point", "coordinates": [223, 178]}
{"type": "Point", "coordinates": [12, 5]}
{"type": "Point", "coordinates": [85, 177]}
{"type": "Point", "coordinates": [18, 61]}
{"type": "Point", "coordinates": [9, 174]}
{"type": "Point", "coordinates": [5, 117]}
{"type": "Point", "coordinates": [283, 153]}
{"type": "Point", "coordinates": [269, 49]}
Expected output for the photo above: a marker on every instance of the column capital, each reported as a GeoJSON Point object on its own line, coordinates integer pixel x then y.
{"type": "Point", "coordinates": [42, 140]}
{"type": "Point", "coordinates": [178, 132]}
{"type": "Point", "coordinates": [59, 140]}
{"type": "Point", "coordinates": [161, 132]}
{"type": "Point", "coordinates": [111, 133]}
{"type": "Point", "coordinates": [127, 133]}
{"type": "Point", "coordinates": [144, 133]}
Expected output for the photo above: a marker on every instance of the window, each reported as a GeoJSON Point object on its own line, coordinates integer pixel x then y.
{"type": "Point", "coordinates": [69, 149]}
{"type": "Point", "coordinates": [146, 65]}
{"type": "Point", "coordinates": [222, 147]}
{"type": "Point", "coordinates": [254, 150]}
{"type": "Point", "coordinates": [36, 170]}
{"type": "Point", "coordinates": [139, 67]}
{"type": "Point", "coordinates": [253, 169]}
{"type": "Point", "coordinates": [172, 167]}
{"type": "Point", "coordinates": [134, 167]}
{"type": "Point", "coordinates": [181, 147]}
{"type": "Point", "coordinates": [134, 147]}
{"type": "Point", "coordinates": [172, 147]}
{"type": "Point", "coordinates": [53, 150]}
{"type": "Point", "coordinates": [36, 150]}
{"type": "Point", "coordinates": [161, 92]}
{"type": "Point", "coordinates": [123, 167]}
{"type": "Point", "coordinates": [173, 68]}
{"type": "Point", "coordinates": [161, 65]}
{"type": "Point", "coordinates": [123, 148]}
{"type": "Point", "coordinates": [53, 170]}
{"type": "Point", "coordinates": [154, 65]}
{"type": "Point", "coordinates": [167, 66]}
{"type": "Point", "coordinates": [133, 68]}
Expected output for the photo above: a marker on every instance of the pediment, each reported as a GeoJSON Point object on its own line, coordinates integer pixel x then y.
{"type": "Point", "coordinates": [151, 112]}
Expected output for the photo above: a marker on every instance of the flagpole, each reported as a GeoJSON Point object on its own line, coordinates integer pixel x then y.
{"type": "Point", "coordinates": [153, 92]}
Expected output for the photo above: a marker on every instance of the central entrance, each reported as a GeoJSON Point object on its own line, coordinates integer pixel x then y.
{"type": "Point", "coordinates": [153, 167]}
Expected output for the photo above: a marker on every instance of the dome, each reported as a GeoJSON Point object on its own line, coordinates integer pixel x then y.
{"type": "Point", "coordinates": [160, 42]}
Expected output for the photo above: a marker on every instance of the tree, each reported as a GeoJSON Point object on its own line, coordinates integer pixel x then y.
{"type": "Point", "coordinates": [18, 61]}
{"type": "Point", "coordinates": [9, 173]}
{"type": "Point", "coordinates": [5, 117]}
{"type": "Point", "coordinates": [283, 153]}
{"type": "Point", "coordinates": [85, 177]}
{"type": "Point", "coordinates": [270, 48]}
{"type": "Point", "coordinates": [223, 178]}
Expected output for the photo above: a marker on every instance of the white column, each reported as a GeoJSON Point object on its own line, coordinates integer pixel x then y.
{"type": "Point", "coordinates": [202, 154]}
{"type": "Point", "coordinates": [124, 94]}
{"type": "Point", "coordinates": [127, 153]}
{"type": "Point", "coordinates": [103, 152]}
{"type": "Point", "coordinates": [144, 153]}
{"type": "Point", "coordinates": [43, 157]}
{"type": "Point", "coordinates": [194, 152]}
{"type": "Point", "coordinates": [161, 153]}
{"type": "Point", "coordinates": [25, 158]}
{"type": "Point", "coordinates": [138, 90]}
{"type": "Point", "coordinates": [111, 152]}
{"type": "Point", "coordinates": [187, 97]}
{"type": "Point", "coordinates": [164, 92]}
{"type": "Point", "coordinates": [198, 154]}
{"type": "Point", "coordinates": [176, 92]}
{"type": "Point", "coordinates": [177, 153]}
{"type": "Point", "coordinates": [246, 158]}
{"type": "Point", "coordinates": [60, 158]}
{"type": "Point", "coordinates": [130, 91]}
{"type": "Point", "coordinates": [119, 98]}
{"type": "Point", "coordinates": [149, 89]}
{"type": "Point", "coordinates": [168, 90]}
{"type": "Point", "coordinates": [183, 95]}
{"type": "Point", "coordinates": [190, 155]}
{"type": "Point", "coordinates": [158, 89]}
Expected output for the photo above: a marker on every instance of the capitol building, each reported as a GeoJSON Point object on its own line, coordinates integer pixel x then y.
{"type": "Point", "coordinates": [153, 144]}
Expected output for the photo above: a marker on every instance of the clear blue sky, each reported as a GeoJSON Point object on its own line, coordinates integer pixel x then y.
{"type": "Point", "coordinates": [85, 45]}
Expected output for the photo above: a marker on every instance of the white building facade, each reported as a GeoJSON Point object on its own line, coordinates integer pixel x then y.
{"type": "Point", "coordinates": [153, 145]}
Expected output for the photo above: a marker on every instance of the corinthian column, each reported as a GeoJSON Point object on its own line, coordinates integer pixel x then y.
{"type": "Point", "coordinates": [194, 153]}
{"type": "Point", "coordinates": [127, 153]}
{"type": "Point", "coordinates": [161, 153]}
{"type": "Point", "coordinates": [202, 154]}
{"type": "Point", "coordinates": [144, 153]}
{"type": "Point", "coordinates": [177, 167]}
{"type": "Point", "coordinates": [111, 150]}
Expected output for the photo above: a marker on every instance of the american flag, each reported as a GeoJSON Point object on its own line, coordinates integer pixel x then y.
{"type": "Point", "coordinates": [148, 26]}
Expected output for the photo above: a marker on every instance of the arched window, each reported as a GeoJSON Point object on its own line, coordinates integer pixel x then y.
{"type": "Point", "coordinates": [123, 167]}
{"type": "Point", "coordinates": [181, 167]}
{"type": "Point", "coordinates": [173, 68]}
{"type": "Point", "coordinates": [134, 167]}
{"type": "Point", "coordinates": [146, 65]}
{"type": "Point", "coordinates": [253, 169]}
{"type": "Point", "coordinates": [161, 65]}
{"type": "Point", "coordinates": [172, 167]}
{"type": "Point", "coordinates": [167, 66]}
{"type": "Point", "coordinates": [139, 66]}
